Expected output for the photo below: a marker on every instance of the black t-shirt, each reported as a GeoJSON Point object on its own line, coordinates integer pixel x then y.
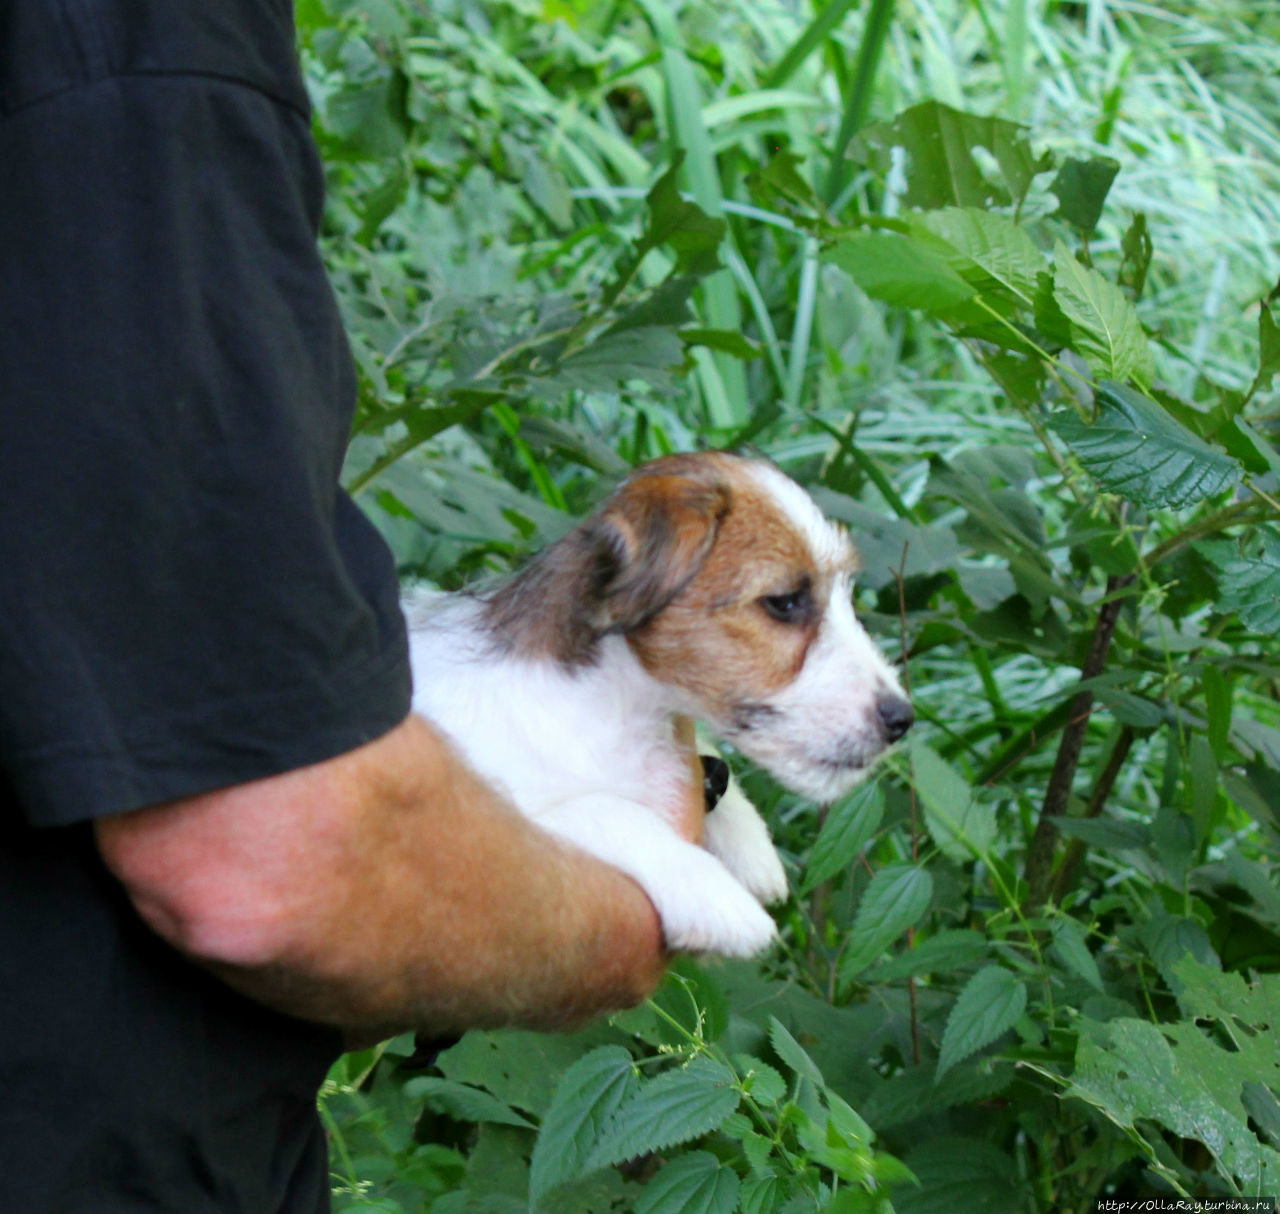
{"type": "Point", "coordinates": [187, 601]}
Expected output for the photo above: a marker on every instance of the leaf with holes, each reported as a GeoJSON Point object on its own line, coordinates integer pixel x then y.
{"type": "Point", "coordinates": [896, 899]}
{"type": "Point", "coordinates": [989, 1004]}
{"type": "Point", "coordinates": [585, 1101]}
{"type": "Point", "coordinates": [1179, 1076]}
{"type": "Point", "coordinates": [1134, 448]}
{"type": "Point", "coordinates": [697, 1183]}
{"type": "Point", "coordinates": [1104, 323]}
{"type": "Point", "coordinates": [677, 1106]}
{"type": "Point", "coordinates": [942, 168]}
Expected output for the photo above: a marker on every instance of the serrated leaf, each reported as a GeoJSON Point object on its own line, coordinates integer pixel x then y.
{"type": "Point", "coordinates": [792, 1052]}
{"type": "Point", "coordinates": [900, 271]}
{"type": "Point", "coordinates": [960, 824]}
{"type": "Point", "coordinates": [895, 900]}
{"type": "Point", "coordinates": [1134, 448]}
{"type": "Point", "coordinates": [585, 1102]}
{"type": "Point", "coordinates": [763, 1194]}
{"type": "Point", "coordinates": [1071, 947]}
{"type": "Point", "coordinates": [762, 1082]}
{"type": "Point", "coordinates": [1104, 323]}
{"type": "Point", "coordinates": [995, 244]}
{"type": "Point", "coordinates": [943, 953]}
{"type": "Point", "coordinates": [1081, 187]}
{"type": "Point", "coordinates": [697, 1183]}
{"type": "Point", "coordinates": [987, 1006]}
{"type": "Point", "coordinates": [677, 1106]}
{"type": "Point", "coordinates": [1251, 585]}
{"type": "Point", "coordinates": [847, 830]}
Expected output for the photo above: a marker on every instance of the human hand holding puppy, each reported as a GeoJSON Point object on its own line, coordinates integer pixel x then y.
{"type": "Point", "coordinates": [393, 888]}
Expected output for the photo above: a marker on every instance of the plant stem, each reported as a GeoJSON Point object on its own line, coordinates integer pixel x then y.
{"type": "Point", "coordinates": [1039, 863]}
{"type": "Point", "coordinates": [1101, 791]}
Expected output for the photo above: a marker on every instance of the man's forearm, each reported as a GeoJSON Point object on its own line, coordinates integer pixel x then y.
{"type": "Point", "coordinates": [385, 890]}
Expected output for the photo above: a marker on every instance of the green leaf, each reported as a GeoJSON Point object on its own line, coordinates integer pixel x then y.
{"type": "Point", "coordinates": [763, 1194]}
{"type": "Point", "coordinates": [849, 826]}
{"type": "Point", "coordinates": [959, 823]}
{"type": "Point", "coordinates": [519, 1068]}
{"type": "Point", "coordinates": [1106, 833]}
{"type": "Point", "coordinates": [900, 271]}
{"type": "Point", "coordinates": [697, 1183]}
{"type": "Point", "coordinates": [1104, 323]}
{"type": "Point", "coordinates": [942, 169]}
{"type": "Point", "coordinates": [722, 340]}
{"type": "Point", "coordinates": [683, 226]}
{"type": "Point", "coordinates": [1134, 448]}
{"type": "Point", "coordinates": [640, 353]}
{"type": "Point", "coordinates": [1178, 1075]}
{"type": "Point", "coordinates": [1081, 187]}
{"type": "Point", "coordinates": [761, 1081]}
{"type": "Point", "coordinates": [987, 1006]}
{"type": "Point", "coordinates": [1268, 350]}
{"type": "Point", "coordinates": [994, 244]}
{"type": "Point", "coordinates": [792, 1053]}
{"type": "Point", "coordinates": [959, 1176]}
{"type": "Point", "coordinates": [1251, 584]}
{"type": "Point", "coordinates": [896, 899]}
{"type": "Point", "coordinates": [677, 1106]}
{"type": "Point", "coordinates": [462, 1102]}
{"type": "Point", "coordinates": [585, 1101]}
{"type": "Point", "coordinates": [944, 953]}
{"type": "Point", "coordinates": [1071, 947]}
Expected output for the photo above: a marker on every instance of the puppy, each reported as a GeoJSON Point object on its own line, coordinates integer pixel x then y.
{"type": "Point", "coordinates": [707, 586]}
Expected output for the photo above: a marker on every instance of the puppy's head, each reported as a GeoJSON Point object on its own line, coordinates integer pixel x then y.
{"type": "Point", "coordinates": [733, 590]}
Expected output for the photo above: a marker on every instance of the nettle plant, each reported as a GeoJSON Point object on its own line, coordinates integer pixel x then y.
{"type": "Point", "coordinates": [1031, 963]}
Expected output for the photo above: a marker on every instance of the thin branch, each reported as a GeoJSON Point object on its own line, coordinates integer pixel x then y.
{"type": "Point", "coordinates": [1062, 882]}
{"type": "Point", "coordinates": [1039, 864]}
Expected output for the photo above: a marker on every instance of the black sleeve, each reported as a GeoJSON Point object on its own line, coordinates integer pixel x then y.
{"type": "Point", "coordinates": [187, 600]}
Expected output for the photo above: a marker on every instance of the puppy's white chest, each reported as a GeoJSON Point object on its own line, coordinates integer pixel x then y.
{"type": "Point", "coordinates": [543, 735]}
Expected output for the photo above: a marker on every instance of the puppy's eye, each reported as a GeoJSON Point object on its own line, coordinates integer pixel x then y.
{"type": "Point", "coordinates": [791, 607]}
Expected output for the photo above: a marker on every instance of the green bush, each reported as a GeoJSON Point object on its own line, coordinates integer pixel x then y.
{"type": "Point", "coordinates": [1031, 366]}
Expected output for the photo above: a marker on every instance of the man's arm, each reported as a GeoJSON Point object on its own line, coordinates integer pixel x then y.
{"type": "Point", "coordinates": [389, 889]}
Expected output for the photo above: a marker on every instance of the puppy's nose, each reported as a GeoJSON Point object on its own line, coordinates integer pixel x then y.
{"type": "Point", "coordinates": [896, 715]}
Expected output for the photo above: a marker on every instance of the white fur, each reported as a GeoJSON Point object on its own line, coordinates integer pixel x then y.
{"type": "Point", "coordinates": [590, 755]}
{"type": "Point", "coordinates": [589, 751]}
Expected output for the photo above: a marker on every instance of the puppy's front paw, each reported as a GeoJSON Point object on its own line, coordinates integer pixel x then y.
{"type": "Point", "coordinates": [704, 910]}
{"type": "Point", "coordinates": [736, 833]}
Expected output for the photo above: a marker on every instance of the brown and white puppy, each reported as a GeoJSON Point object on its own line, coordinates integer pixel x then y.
{"type": "Point", "coordinates": [707, 586]}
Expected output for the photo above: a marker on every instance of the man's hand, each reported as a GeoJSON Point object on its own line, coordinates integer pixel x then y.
{"type": "Point", "coordinates": [390, 889]}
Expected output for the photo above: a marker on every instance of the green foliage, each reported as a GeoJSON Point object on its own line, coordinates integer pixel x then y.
{"type": "Point", "coordinates": [1032, 964]}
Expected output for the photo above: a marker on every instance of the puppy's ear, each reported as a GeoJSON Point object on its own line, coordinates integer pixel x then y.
{"type": "Point", "coordinates": [615, 571]}
{"type": "Point", "coordinates": [649, 540]}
